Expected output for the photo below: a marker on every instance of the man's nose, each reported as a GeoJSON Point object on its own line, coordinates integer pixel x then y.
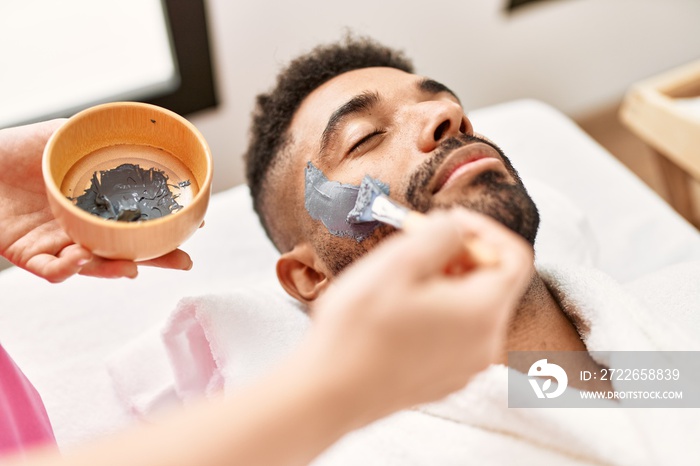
{"type": "Point", "coordinates": [440, 120]}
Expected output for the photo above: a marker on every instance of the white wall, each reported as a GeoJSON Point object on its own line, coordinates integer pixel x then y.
{"type": "Point", "coordinates": [574, 54]}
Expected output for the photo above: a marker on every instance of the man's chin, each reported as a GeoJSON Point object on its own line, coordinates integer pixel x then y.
{"type": "Point", "coordinates": [494, 194]}
{"type": "Point", "coordinates": [471, 192]}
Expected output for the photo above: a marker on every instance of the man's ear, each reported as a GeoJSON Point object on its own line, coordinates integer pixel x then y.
{"type": "Point", "coordinates": [302, 274]}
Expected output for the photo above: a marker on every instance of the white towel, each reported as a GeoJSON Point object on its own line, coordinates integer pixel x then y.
{"type": "Point", "coordinates": [207, 340]}
{"type": "Point", "coordinates": [233, 338]}
{"type": "Point", "coordinates": [141, 375]}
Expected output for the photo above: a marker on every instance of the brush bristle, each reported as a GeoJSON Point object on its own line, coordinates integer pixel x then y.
{"type": "Point", "coordinates": [362, 212]}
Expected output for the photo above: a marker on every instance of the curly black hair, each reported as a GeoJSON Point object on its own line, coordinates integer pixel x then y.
{"type": "Point", "coordinates": [274, 110]}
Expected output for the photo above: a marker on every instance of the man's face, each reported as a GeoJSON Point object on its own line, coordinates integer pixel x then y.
{"type": "Point", "coordinates": [410, 133]}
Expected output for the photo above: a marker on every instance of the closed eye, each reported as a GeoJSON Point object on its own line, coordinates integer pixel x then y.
{"type": "Point", "coordinates": [365, 140]}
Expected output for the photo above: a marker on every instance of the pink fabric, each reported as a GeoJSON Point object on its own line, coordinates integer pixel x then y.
{"type": "Point", "coordinates": [23, 419]}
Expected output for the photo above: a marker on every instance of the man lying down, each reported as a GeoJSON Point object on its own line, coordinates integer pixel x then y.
{"type": "Point", "coordinates": [356, 108]}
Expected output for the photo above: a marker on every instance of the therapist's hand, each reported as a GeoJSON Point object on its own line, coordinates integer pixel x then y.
{"type": "Point", "coordinates": [30, 236]}
{"type": "Point", "coordinates": [399, 329]}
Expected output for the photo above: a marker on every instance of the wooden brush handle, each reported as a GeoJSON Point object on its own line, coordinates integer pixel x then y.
{"type": "Point", "coordinates": [479, 252]}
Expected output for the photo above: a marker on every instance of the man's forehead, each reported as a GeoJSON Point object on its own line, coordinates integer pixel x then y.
{"type": "Point", "coordinates": [344, 86]}
{"type": "Point", "coordinates": [316, 108]}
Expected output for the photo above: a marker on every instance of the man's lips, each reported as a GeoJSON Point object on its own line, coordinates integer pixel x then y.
{"type": "Point", "coordinates": [470, 159]}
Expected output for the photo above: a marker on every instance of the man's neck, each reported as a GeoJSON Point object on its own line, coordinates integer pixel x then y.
{"type": "Point", "coordinates": [540, 324]}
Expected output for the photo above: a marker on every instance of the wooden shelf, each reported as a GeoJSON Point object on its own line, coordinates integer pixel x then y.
{"type": "Point", "coordinates": [664, 111]}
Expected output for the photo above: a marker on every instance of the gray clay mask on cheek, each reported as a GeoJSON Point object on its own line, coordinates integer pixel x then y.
{"type": "Point", "coordinates": [331, 202]}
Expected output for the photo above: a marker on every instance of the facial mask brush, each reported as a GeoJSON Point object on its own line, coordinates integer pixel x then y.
{"type": "Point", "coordinates": [374, 205]}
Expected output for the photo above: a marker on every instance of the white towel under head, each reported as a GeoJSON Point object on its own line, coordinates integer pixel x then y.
{"type": "Point", "coordinates": [142, 376]}
{"type": "Point", "coordinates": [233, 338]}
{"type": "Point", "coordinates": [209, 342]}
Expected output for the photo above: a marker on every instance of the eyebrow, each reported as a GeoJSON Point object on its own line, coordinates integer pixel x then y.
{"type": "Point", "coordinates": [359, 104]}
{"type": "Point", "coordinates": [365, 102]}
{"type": "Point", "coordinates": [434, 87]}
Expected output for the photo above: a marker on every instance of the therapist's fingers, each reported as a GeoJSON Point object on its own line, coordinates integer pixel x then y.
{"type": "Point", "coordinates": [493, 290]}
{"type": "Point", "coordinates": [75, 259]}
{"type": "Point", "coordinates": [507, 278]}
{"type": "Point", "coordinates": [111, 268]}
{"type": "Point", "coordinates": [414, 263]}
{"type": "Point", "coordinates": [177, 259]}
{"type": "Point", "coordinates": [58, 268]}
{"type": "Point", "coordinates": [409, 256]}
{"type": "Point", "coordinates": [480, 302]}
{"type": "Point", "coordinates": [430, 246]}
{"type": "Point", "coordinates": [438, 242]}
{"type": "Point", "coordinates": [511, 249]}
{"type": "Point", "coordinates": [425, 253]}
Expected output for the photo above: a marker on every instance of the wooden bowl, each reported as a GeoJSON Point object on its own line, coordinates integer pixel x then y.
{"type": "Point", "coordinates": [103, 137]}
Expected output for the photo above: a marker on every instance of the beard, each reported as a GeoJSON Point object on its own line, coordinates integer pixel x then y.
{"type": "Point", "coordinates": [490, 193]}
